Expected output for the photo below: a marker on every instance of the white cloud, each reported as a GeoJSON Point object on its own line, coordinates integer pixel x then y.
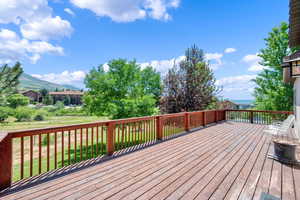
{"type": "Point", "coordinates": [232, 80]}
{"type": "Point", "coordinates": [66, 77]}
{"type": "Point", "coordinates": [230, 50]}
{"type": "Point", "coordinates": [256, 67]}
{"type": "Point", "coordinates": [129, 10]}
{"type": "Point", "coordinates": [46, 29]}
{"type": "Point", "coordinates": [237, 87]}
{"type": "Point", "coordinates": [18, 11]}
{"type": "Point", "coordinates": [215, 60]}
{"type": "Point", "coordinates": [254, 62]}
{"type": "Point", "coordinates": [69, 11]}
{"type": "Point", "coordinates": [163, 66]}
{"type": "Point", "coordinates": [251, 58]}
{"type": "Point", "coordinates": [13, 48]}
{"type": "Point", "coordinates": [35, 20]}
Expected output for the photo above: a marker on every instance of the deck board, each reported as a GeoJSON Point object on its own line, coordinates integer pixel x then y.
{"type": "Point", "coordinates": [223, 161]}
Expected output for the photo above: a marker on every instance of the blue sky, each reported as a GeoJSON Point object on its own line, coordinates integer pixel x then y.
{"type": "Point", "coordinates": [61, 40]}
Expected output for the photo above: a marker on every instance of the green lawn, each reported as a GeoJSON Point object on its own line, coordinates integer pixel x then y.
{"type": "Point", "coordinates": [50, 122]}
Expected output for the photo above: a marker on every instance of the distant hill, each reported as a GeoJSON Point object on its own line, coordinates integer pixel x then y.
{"type": "Point", "coordinates": [28, 82]}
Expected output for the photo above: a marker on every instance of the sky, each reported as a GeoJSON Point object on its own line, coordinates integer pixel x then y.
{"type": "Point", "coordinates": [61, 40]}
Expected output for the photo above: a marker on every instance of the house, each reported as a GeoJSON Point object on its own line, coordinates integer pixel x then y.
{"type": "Point", "coordinates": [75, 96]}
{"type": "Point", "coordinates": [291, 63]}
{"type": "Point", "coordinates": [32, 95]}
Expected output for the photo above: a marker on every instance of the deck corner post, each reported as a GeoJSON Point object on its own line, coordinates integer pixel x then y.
{"type": "Point", "coordinates": [110, 142]}
{"type": "Point", "coordinates": [6, 161]}
{"type": "Point", "coordinates": [159, 128]}
{"type": "Point", "coordinates": [251, 117]}
{"type": "Point", "coordinates": [187, 121]}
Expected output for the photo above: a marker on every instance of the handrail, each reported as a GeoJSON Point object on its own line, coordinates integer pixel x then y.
{"type": "Point", "coordinates": [45, 149]}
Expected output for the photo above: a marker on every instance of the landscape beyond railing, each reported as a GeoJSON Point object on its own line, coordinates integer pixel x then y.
{"type": "Point", "coordinates": [28, 153]}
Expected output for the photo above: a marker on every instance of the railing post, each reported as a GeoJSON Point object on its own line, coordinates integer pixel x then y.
{"type": "Point", "coordinates": [159, 128]}
{"type": "Point", "coordinates": [187, 121]}
{"type": "Point", "coordinates": [5, 161]}
{"type": "Point", "coordinates": [204, 118]}
{"type": "Point", "coordinates": [251, 117]}
{"type": "Point", "coordinates": [110, 142]}
{"type": "Point", "coordinates": [216, 116]}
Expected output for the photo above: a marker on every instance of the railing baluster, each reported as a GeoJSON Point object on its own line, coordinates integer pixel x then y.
{"type": "Point", "coordinates": [62, 148]}
{"type": "Point", "coordinates": [86, 143]}
{"type": "Point", "coordinates": [69, 147]}
{"type": "Point", "coordinates": [102, 140]}
{"type": "Point", "coordinates": [97, 139]}
{"type": "Point", "coordinates": [40, 153]}
{"type": "Point", "coordinates": [48, 151]}
{"type": "Point", "coordinates": [31, 155]}
{"type": "Point", "coordinates": [81, 144]}
{"type": "Point", "coordinates": [22, 158]}
{"type": "Point", "coordinates": [123, 136]}
{"type": "Point", "coordinates": [75, 145]}
{"type": "Point", "coordinates": [92, 138]}
{"type": "Point", "coordinates": [55, 150]}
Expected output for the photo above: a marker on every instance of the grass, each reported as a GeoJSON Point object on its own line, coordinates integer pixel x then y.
{"type": "Point", "coordinates": [50, 122]}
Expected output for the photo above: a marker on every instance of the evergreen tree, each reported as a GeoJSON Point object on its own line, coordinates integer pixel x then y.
{"type": "Point", "coordinates": [9, 80]}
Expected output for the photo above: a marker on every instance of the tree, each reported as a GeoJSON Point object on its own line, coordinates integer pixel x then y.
{"type": "Point", "coordinates": [17, 100]}
{"type": "Point", "coordinates": [9, 79]}
{"type": "Point", "coordinates": [48, 100]}
{"type": "Point", "coordinates": [189, 86]}
{"type": "Point", "coordinates": [67, 100]}
{"type": "Point", "coordinates": [44, 92]}
{"type": "Point", "coordinates": [125, 90]}
{"type": "Point", "coordinates": [270, 92]}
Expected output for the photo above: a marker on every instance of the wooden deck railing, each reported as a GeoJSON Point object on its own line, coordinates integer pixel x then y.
{"type": "Point", "coordinates": [28, 153]}
{"type": "Point", "coordinates": [256, 116]}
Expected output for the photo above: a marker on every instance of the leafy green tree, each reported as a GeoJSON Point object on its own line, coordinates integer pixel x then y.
{"type": "Point", "coordinates": [16, 100]}
{"type": "Point", "coordinates": [189, 86]}
{"type": "Point", "coordinates": [9, 80]}
{"type": "Point", "coordinates": [270, 92]}
{"type": "Point", "coordinates": [5, 112]}
{"type": "Point", "coordinates": [125, 90]}
{"type": "Point", "coordinates": [48, 100]}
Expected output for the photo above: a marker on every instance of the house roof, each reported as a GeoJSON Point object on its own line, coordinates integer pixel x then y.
{"type": "Point", "coordinates": [67, 93]}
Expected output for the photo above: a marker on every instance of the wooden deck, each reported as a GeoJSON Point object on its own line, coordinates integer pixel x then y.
{"type": "Point", "coordinates": [223, 161]}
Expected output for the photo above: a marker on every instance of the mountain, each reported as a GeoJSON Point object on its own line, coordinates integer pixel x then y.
{"type": "Point", "coordinates": [28, 82]}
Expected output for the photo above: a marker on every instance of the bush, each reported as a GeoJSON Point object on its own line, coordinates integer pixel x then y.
{"type": "Point", "coordinates": [16, 100]}
{"type": "Point", "coordinates": [5, 112]}
{"type": "Point", "coordinates": [40, 115]}
{"type": "Point", "coordinates": [23, 114]}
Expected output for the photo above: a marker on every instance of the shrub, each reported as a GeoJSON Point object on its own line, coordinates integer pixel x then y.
{"type": "Point", "coordinates": [23, 114]}
{"type": "Point", "coordinates": [16, 100]}
{"type": "Point", "coordinates": [5, 112]}
{"type": "Point", "coordinates": [40, 115]}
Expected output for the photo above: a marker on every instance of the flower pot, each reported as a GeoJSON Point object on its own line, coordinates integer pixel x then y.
{"type": "Point", "coordinates": [285, 150]}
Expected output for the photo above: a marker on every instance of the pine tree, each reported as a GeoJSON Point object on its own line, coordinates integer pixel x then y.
{"type": "Point", "coordinates": [9, 80]}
